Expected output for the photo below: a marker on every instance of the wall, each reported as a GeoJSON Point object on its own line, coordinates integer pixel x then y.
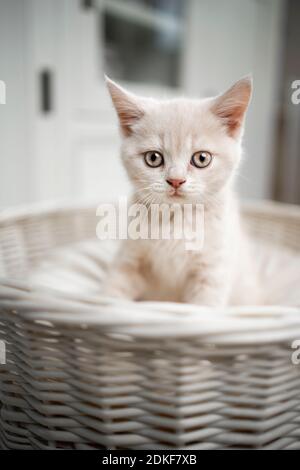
{"type": "Point", "coordinates": [15, 151]}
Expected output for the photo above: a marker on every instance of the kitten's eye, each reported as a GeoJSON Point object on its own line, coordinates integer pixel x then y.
{"type": "Point", "coordinates": [201, 159]}
{"type": "Point", "coordinates": [154, 159]}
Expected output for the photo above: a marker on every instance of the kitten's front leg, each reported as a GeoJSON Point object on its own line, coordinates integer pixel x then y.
{"type": "Point", "coordinates": [124, 278]}
{"type": "Point", "coordinates": [208, 287]}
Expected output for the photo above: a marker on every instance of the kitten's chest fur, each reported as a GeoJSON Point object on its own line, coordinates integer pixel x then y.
{"type": "Point", "coordinates": [166, 266]}
{"type": "Point", "coordinates": [168, 263]}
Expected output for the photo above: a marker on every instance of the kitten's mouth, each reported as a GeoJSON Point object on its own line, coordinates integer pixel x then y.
{"type": "Point", "coordinates": [175, 194]}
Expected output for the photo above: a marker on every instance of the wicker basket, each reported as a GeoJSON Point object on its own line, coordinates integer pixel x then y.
{"type": "Point", "coordinates": [84, 372]}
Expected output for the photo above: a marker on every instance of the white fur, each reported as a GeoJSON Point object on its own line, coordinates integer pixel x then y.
{"type": "Point", "coordinates": [222, 273]}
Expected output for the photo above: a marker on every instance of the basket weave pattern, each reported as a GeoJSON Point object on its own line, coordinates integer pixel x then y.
{"type": "Point", "coordinates": [95, 373]}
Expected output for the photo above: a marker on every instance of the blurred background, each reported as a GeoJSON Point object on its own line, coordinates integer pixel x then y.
{"type": "Point", "coordinates": [58, 133]}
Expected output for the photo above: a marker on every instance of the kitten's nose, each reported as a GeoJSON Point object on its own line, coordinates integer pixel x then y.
{"type": "Point", "coordinates": [175, 182]}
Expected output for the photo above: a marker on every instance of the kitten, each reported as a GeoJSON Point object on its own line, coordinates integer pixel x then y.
{"type": "Point", "coordinates": [185, 151]}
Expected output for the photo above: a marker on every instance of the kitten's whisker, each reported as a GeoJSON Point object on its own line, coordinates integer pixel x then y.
{"type": "Point", "coordinates": [245, 178]}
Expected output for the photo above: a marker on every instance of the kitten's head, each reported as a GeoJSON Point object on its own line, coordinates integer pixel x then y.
{"type": "Point", "coordinates": [181, 150]}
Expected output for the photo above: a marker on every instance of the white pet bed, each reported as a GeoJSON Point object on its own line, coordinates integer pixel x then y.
{"type": "Point", "coordinates": [83, 371]}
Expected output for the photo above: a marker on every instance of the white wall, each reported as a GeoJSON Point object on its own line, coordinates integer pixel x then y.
{"type": "Point", "coordinates": [15, 152]}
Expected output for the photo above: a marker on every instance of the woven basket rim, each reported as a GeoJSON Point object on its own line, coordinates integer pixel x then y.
{"type": "Point", "coordinates": [152, 320]}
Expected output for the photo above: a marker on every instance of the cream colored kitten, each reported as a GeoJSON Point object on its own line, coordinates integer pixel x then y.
{"type": "Point", "coordinates": [185, 151]}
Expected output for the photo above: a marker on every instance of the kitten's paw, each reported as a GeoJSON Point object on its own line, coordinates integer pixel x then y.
{"type": "Point", "coordinates": [207, 301]}
{"type": "Point", "coordinates": [117, 292]}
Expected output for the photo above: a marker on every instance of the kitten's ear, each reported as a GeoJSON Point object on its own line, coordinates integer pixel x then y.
{"type": "Point", "coordinates": [232, 105]}
{"type": "Point", "coordinates": [127, 105]}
